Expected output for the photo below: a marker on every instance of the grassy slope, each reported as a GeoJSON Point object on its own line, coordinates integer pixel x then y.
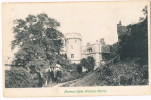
{"type": "Point", "coordinates": [121, 73]}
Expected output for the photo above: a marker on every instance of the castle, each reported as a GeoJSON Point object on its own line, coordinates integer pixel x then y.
{"type": "Point", "coordinates": [100, 51]}
{"type": "Point", "coordinates": [75, 51]}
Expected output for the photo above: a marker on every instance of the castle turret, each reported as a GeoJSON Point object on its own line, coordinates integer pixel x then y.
{"type": "Point", "coordinates": [121, 30]}
{"type": "Point", "coordinates": [119, 25]}
{"type": "Point", "coordinates": [73, 47]}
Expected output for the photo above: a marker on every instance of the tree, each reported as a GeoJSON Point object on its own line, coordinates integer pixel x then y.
{"type": "Point", "coordinates": [90, 63]}
{"type": "Point", "coordinates": [39, 42]}
{"type": "Point", "coordinates": [79, 68]}
{"type": "Point", "coordinates": [83, 62]}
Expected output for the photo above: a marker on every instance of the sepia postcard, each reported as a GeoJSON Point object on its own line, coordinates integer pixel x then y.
{"type": "Point", "coordinates": [58, 49]}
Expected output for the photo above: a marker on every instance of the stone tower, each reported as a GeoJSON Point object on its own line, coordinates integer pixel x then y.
{"type": "Point", "coordinates": [73, 47]}
{"type": "Point", "coordinates": [121, 30]}
{"type": "Point", "coordinates": [119, 27]}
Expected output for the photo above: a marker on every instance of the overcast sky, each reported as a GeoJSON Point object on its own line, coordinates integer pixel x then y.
{"type": "Point", "coordinates": [92, 20]}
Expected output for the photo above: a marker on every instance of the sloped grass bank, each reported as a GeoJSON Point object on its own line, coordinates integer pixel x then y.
{"type": "Point", "coordinates": [127, 72]}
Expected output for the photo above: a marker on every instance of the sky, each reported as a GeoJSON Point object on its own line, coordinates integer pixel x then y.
{"type": "Point", "coordinates": [93, 20]}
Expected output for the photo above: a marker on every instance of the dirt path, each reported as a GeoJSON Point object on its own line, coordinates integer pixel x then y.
{"type": "Point", "coordinates": [69, 83]}
{"type": "Point", "coordinates": [65, 83]}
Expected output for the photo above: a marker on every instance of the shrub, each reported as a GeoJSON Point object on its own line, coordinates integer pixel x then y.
{"type": "Point", "coordinates": [19, 78]}
{"type": "Point", "coordinates": [88, 63]}
{"type": "Point", "coordinates": [107, 71]}
{"type": "Point", "coordinates": [79, 68]}
{"type": "Point", "coordinates": [127, 72]}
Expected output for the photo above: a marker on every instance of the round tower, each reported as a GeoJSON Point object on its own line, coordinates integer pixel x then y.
{"type": "Point", "coordinates": [73, 47]}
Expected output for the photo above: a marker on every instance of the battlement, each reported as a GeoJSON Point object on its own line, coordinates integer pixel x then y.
{"type": "Point", "coordinates": [73, 36]}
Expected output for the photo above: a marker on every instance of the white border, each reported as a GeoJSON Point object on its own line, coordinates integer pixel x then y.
{"type": "Point", "coordinates": [61, 98]}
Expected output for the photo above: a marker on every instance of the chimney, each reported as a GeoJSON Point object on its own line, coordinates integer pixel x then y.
{"type": "Point", "coordinates": [102, 41]}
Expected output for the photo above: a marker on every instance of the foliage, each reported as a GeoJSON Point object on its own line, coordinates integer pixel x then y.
{"type": "Point", "coordinates": [88, 63]}
{"type": "Point", "coordinates": [124, 73]}
{"type": "Point", "coordinates": [38, 40]}
{"type": "Point", "coordinates": [83, 62]}
{"type": "Point", "coordinates": [134, 44]}
{"type": "Point", "coordinates": [19, 78]}
{"type": "Point", "coordinates": [39, 43]}
{"type": "Point", "coordinates": [79, 68]}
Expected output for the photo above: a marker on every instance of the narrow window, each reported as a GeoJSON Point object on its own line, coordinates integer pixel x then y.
{"type": "Point", "coordinates": [91, 49]}
{"type": "Point", "coordinates": [71, 47]}
{"type": "Point", "coordinates": [72, 55]}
